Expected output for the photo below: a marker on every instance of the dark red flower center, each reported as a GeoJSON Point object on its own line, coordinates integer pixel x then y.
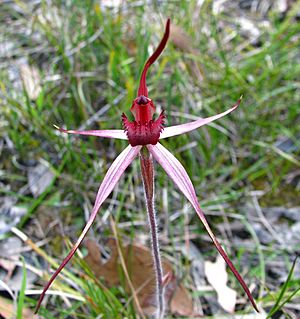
{"type": "Point", "coordinates": [143, 133]}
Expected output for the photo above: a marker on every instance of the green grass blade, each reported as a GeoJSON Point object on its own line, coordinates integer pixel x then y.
{"type": "Point", "coordinates": [21, 297]}
{"type": "Point", "coordinates": [277, 305]}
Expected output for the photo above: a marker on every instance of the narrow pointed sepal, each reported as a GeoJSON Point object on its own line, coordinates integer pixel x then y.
{"type": "Point", "coordinates": [143, 86]}
{"type": "Point", "coordinates": [188, 127]}
{"type": "Point", "coordinates": [119, 134]}
{"type": "Point", "coordinates": [110, 180]}
{"type": "Point", "coordinates": [180, 177]}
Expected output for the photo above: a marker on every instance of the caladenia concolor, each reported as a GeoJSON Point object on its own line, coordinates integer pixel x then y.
{"type": "Point", "coordinates": [143, 135]}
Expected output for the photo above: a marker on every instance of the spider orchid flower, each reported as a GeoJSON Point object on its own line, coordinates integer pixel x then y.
{"type": "Point", "coordinates": [143, 135]}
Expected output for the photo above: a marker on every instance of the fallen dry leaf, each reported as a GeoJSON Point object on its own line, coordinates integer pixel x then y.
{"type": "Point", "coordinates": [31, 79]}
{"type": "Point", "coordinates": [138, 260]}
{"type": "Point", "coordinates": [181, 303]}
{"type": "Point", "coordinates": [10, 214]}
{"type": "Point", "coordinates": [181, 39]}
{"type": "Point", "coordinates": [7, 310]}
{"type": "Point", "coordinates": [9, 255]}
{"type": "Point", "coordinates": [217, 276]}
{"type": "Point", "coordinates": [39, 178]}
{"type": "Point", "coordinates": [11, 273]}
{"type": "Point", "coordinates": [183, 42]}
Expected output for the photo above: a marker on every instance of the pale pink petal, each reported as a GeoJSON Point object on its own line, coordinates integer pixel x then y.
{"type": "Point", "coordinates": [187, 127]}
{"type": "Point", "coordinates": [120, 134]}
{"type": "Point", "coordinates": [110, 180]}
{"type": "Point", "coordinates": [180, 177]}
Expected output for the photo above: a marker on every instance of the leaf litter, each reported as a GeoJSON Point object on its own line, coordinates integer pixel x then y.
{"type": "Point", "coordinates": [217, 276]}
{"type": "Point", "coordinates": [7, 310]}
{"type": "Point", "coordinates": [39, 178]}
{"type": "Point", "coordinates": [138, 260]}
{"type": "Point", "coordinates": [11, 272]}
{"type": "Point", "coordinates": [10, 214]}
{"type": "Point", "coordinates": [31, 80]}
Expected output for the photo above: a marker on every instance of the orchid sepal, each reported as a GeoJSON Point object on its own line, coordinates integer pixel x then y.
{"type": "Point", "coordinates": [178, 174]}
{"type": "Point", "coordinates": [190, 126]}
{"type": "Point", "coordinates": [143, 86]}
{"type": "Point", "coordinates": [118, 134]}
{"type": "Point", "coordinates": [110, 180]}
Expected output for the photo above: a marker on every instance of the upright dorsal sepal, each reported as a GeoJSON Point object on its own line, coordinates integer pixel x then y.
{"type": "Point", "coordinates": [143, 86]}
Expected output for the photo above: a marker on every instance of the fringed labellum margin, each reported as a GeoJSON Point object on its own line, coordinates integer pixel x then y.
{"type": "Point", "coordinates": [143, 132]}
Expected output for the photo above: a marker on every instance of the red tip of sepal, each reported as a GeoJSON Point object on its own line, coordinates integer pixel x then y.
{"type": "Point", "coordinates": [143, 86]}
{"type": "Point", "coordinates": [234, 271]}
{"type": "Point", "coordinates": [59, 128]}
{"type": "Point", "coordinates": [62, 129]}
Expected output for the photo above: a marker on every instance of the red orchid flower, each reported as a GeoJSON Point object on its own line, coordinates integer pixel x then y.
{"type": "Point", "coordinates": [143, 135]}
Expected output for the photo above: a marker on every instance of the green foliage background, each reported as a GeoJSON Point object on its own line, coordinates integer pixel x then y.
{"type": "Point", "coordinates": [89, 58]}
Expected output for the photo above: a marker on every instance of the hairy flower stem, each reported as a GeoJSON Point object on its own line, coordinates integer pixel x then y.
{"type": "Point", "coordinates": [148, 180]}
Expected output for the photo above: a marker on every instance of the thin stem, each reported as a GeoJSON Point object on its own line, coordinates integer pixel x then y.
{"type": "Point", "coordinates": [148, 180]}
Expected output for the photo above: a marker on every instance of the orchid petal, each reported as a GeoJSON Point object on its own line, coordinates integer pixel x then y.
{"type": "Point", "coordinates": [110, 180]}
{"type": "Point", "coordinates": [120, 134]}
{"type": "Point", "coordinates": [180, 177]}
{"type": "Point", "coordinates": [187, 127]}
